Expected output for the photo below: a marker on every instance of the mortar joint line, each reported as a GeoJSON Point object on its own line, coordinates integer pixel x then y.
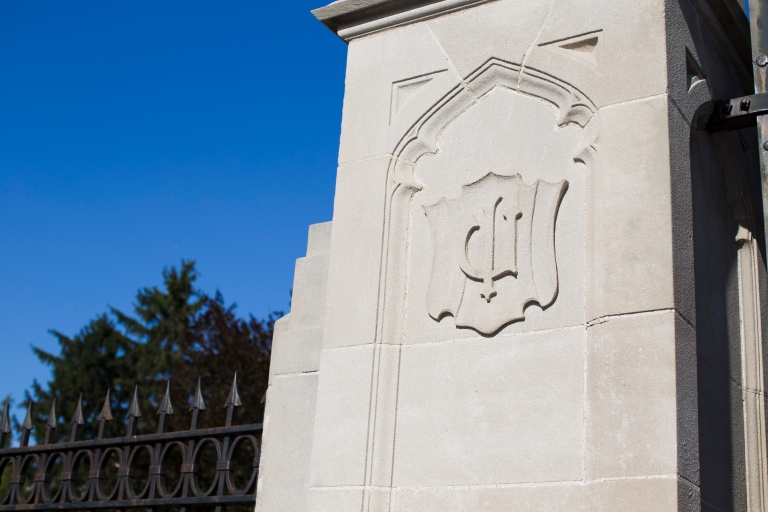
{"type": "Point", "coordinates": [294, 374]}
{"type": "Point", "coordinates": [462, 79]}
{"type": "Point", "coordinates": [632, 101]}
{"type": "Point", "coordinates": [366, 159]}
{"type": "Point", "coordinates": [533, 44]}
{"type": "Point", "coordinates": [606, 318]}
{"type": "Point", "coordinates": [561, 483]}
{"type": "Point", "coordinates": [686, 320]}
{"type": "Point", "coordinates": [674, 103]}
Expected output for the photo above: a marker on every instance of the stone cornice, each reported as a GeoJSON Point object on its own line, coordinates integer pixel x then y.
{"type": "Point", "coordinates": [355, 18]}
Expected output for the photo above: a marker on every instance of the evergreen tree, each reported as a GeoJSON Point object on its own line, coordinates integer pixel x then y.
{"type": "Point", "coordinates": [99, 358]}
{"type": "Point", "coordinates": [161, 330]}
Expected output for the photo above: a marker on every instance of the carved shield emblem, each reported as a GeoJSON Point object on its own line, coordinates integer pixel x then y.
{"type": "Point", "coordinates": [494, 251]}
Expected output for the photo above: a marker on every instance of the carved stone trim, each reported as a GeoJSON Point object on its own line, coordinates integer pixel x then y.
{"type": "Point", "coordinates": [515, 224]}
{"type": "Point", "coordinates": [422, 138]}
{"type": "Point", "coordinates": [573, 107]}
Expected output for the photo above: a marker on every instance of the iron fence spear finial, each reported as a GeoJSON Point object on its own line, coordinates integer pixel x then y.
{"type": "Point", "coordinates": [27, 426]}
{"type": "Point", "coordinates": [52, 424]}
{"type": "Point", "coordinates": [73, 495]}
{"type": "Point", "coordinates": [77, 420]}
{"type": "Point", "coordinates": [133, 412]}
{"type": "Point", "coordinates": [105, 417]}
{"type": "Point", "coordinates": [198, 404]}
{"type": "Point", "coordinates": [5, 426]}
{"type": "Point", "coordinates": [165, 409]}
{"type": "Point", "coordinates": [233, 402]}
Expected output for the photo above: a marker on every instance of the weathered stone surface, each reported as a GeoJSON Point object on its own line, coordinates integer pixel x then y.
{"type": "Point", "coordinates": [355, 256]}
{"type": "Point", "coordinates": [389, 92]}
{"type": "Point", "coordinates": [630, 251]}
{"type": "Point", "coordinates": [482, 140]}
{"type": "Point", "coordinates": [505, 29]}
{"type": "Point", "coordinates": [467, 408]}
{"type": "Point", "coordinates": [287, 444]}
{"type": "Point", "coordinates": [341, 425]}
{"type": "Point", "coordinates": [542, 277]}
{"type": "Point", "coordinates": [631, 397]}
{"type": "Point", "coordinates": [335, 498]}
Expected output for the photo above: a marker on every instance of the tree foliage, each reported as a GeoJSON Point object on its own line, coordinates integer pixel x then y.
{"type": "Point", "coordinates": [98, 358]}
{"type": "Point", "coordinates": [177, 333]}
{"type": "Point", "coordinates": [220, 345]}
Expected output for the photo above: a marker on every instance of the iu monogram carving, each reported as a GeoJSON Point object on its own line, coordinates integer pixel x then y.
{"type": "Point", "coordinates": [494, 251]}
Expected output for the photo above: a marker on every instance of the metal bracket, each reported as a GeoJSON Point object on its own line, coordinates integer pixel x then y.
{"type": "Point", "coordinates": [738, 113]}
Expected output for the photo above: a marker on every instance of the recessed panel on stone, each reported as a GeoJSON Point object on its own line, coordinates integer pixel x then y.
{"type": "Point", "coordinates": [496, 240]}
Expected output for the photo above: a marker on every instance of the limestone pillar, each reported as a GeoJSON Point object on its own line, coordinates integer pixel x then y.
{"type": "Point", "coordinates": [542, 292]}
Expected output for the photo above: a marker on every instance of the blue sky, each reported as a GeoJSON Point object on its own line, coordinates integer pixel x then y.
{"type": "Point", "coordinates": [135, 134]}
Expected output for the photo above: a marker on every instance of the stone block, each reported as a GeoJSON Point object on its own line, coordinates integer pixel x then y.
{"type": "Point", "coordinates": [721, 438]}
{"type": "Point", "coordinates": [378, 499]}
{"type": "Point", "coordinates": [631, 403]}
{"type": "Point", "coordinates": [319, 240]}
{"type": "Point", "coordinates": [659, 494]}
{"type": "Point", "coordinates": [388, 87]}
{"type": "Point", "coordinates": [681, 173]}
{"type": "Point", "coordinates": [287, 444]}
{"type": "Point", "coordinates": [296, 351]}
{"type": "Point", "coordinates": [613, 53]}
{"type": "Point", "coordinates": [504, 29]}
{"type": "Point", "coordinates": [689, 85]}
{"type": "Point", "coordinates": [340, 442]}
{"type": "Point", "coordinates": [491, 411]}
{"type": "Point", "coordinates": [335, 499]}
{"type": "Point", "coordinates": [353, 276]}
{"type": "Point", "coordinates": [629, 230]}
{"type": "Point", "coordinates": [310, 282]}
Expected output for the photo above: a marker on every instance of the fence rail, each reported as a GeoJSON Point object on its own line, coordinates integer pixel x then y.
{"type": "Point", "coordinates": [132, 471]}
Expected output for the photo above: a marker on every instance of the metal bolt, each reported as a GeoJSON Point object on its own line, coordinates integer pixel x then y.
{"type": "Point", "coordinates": [727, 109]}
{"type": "Point", "coordinates": [761, 60]}
{"type": "Point", "coordinates": [744, 105]}
{"type": "Point", "coordinates": [765, 145]}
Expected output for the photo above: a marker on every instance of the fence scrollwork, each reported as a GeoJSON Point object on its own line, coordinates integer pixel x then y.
{"type": "Point", "coordinates": [132, 471]}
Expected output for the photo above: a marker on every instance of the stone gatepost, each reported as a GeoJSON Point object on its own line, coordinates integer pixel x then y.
{"type": "Point", "coordinates": [541, 287]}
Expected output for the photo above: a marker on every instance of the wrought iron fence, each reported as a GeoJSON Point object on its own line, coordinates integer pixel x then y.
{"type": "Point", "coordinates": [133, 471]}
